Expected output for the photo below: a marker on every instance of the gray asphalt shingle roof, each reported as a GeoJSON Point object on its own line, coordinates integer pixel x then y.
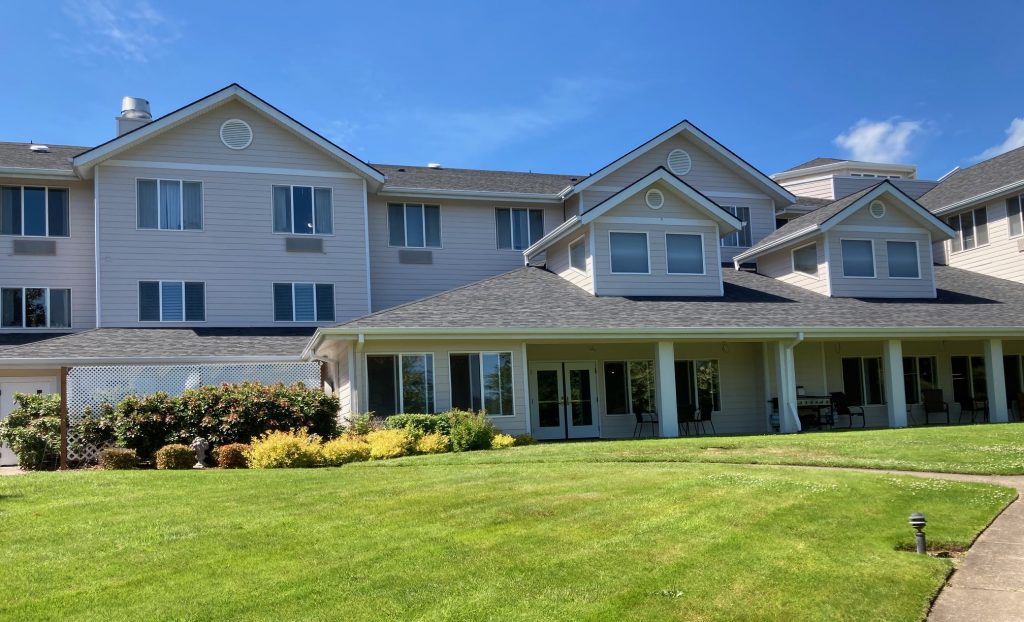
{"type": "Point", "coordinates": [533, 298]}
{"type": "Point", "coordinates": [818, 217]}
{"type": "Point", "coordinates": [18, 155]}
{"type": "Point", "coordinates": [401, 176]}
{"type": "Point", "coordinates": [984, 176]}
{"type": "Point", "coordinates": [813, 163]}
{"type": "Point", "coordinates": [127, 343]}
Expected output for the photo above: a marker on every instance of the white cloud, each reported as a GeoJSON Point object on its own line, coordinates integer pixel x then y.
{"type": "Point", "coordinates": [1014, 139]}
{"type": "Point", "coordinates": [879, 141]}
{"type": "Point", "coordinates": [132, 31]}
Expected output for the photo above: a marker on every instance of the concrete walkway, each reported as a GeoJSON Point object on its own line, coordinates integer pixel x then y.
{"type": "Point", "coordinates": [10, 470]}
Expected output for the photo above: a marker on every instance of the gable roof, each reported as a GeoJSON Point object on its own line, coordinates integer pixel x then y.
{"type": "Point", "coordinates": [84, 162]}
{"type": "Point", "coordinates": [685, 127]}
{"type": "Point", "coordinates": [813, 163]}
{"type": "Point", "coordinates": [414, 178]}
{"type": "Point", "coordinates": [725, 220]}
{"type": "Point", "coordinates": [824, 218]}
{"type": "Point", "coordinates": [987, 179]}
{"type": "Point", "coordinates": [19, 158]}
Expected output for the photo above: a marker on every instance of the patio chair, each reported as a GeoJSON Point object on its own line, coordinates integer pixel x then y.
{"type": "Point", "coordinates": [1020, 406]}
{"type": "Point", "coordinates": [842, 408]}
{"type": "Point", "coordinates": [973, 407]}
{"type": "Point", "coordinates": [642, 419]}
{"type": "Point", "coordinates": [933, 404]}
{"type": "Point", "coordinates": [688, 414]}
{"type": "Point", "coordinates": [704, 416]}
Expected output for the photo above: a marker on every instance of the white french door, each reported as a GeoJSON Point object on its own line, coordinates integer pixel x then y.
{"type": "Point", "coordinates": [563, 401]}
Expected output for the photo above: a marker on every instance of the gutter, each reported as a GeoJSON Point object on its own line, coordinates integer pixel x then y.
{"type": "Point", "coordinates": [535, 197]}
{"type": "Point", "coordinates": [979, 197]}
{"type": "Point", "coordinates": [44, 173]}
{"type": "Point", "coordinates": [786, 239]}
{"type": "Point", "coordinates": [64, 361]}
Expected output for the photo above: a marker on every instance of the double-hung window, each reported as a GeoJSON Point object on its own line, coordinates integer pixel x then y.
{"type": "Point", "coordinates": [919, 373]}
{"type": "Point", "coordinates": [628, 252]}
{"type": "Point", "coordinates": [35, 307]}
{"type": "Point", "coordinates": [172, 301]}
{"type": "Point", "coordinates": [862, 380]}
{"type": "Point", "coordinates": [684, 253]}
{"type": "Point", "coordinates": [903, 260]}
{"type": "Point", "coordinates": [34, 211]}
{"type": "Point", "coordinates": [1014, 217]}
{"type": "Point", "coordinates": [858, 258]}
{"type": "Point", "coordinates": [969, 379]}
{"type": "Point", "coordinates": [169, 204]}
{"type": "Point", "coordinates": [805, 260]}
{"type": "Point", "coordinates": [741, 237]}
{"type": "Point", "coordinates": [518, 228]}
{"type": "Point", "coordinates": [970, 229]}
{"type": "Point", "coordinates": [698, 385]}
{"type": "Point", "coordinates": [400, 383]}
{"type": "Point", "coordinates": [629, 387]}
{"type": "Point", "coordinates": [414, 225]}
{"type": "Point", "coordinates": [303, 302]}
{"type": "Point", "coordinates": [304, 210]}
{"type": "Point", "coordinates": [482, 381]}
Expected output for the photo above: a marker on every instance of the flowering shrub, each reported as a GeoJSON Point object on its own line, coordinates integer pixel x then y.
{"type": "Point", "coordinates": [280, 450]}
{"type": "Point", "coordinates": [390, 444]}
{"type": "Point", "coordinates": [503, 441]}
{"type": "Point", "coordinates": [344, 450]}
{"type": "Point", "coordinates": [433, 443]}
{"type": "Point", "coordinates": [32, 431]}
{"type": "Point", "coordinates": [175, 456]}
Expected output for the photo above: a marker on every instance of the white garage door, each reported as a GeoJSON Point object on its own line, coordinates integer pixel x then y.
{"type": "Point", "coordinates": [7, 404]}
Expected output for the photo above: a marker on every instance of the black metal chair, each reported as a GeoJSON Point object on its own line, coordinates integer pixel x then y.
{"type": "Point", "coordinates": [704, 416]}
{"type": "Point", "coordinates": [688, 414]}
{"type": "Point", "coordinates": [973, 407]}
{"type": "Point", "coordinates": [934, 404]}
{"type": "Point", "coordinates": [841, 407]}
{"type": "Point", "coordinates": [642, 419]}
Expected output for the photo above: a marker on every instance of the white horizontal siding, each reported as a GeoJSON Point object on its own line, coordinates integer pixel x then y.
{"type": "Point", "coordinates": [1002, 257]}
{"type": "Point", "coordinates": [557, 261]}
{"type": "Point", "coordinates": [914, 188]}
{"type": "Point", "coordinates": [779, 265]}
{"type": "Point", "coordinates": [819, 188]}
{"type": "Point", "coordinates": [72, 267]}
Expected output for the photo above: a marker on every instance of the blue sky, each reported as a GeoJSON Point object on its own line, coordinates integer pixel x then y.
{"type": "Point", "coordinates": [543, 86]}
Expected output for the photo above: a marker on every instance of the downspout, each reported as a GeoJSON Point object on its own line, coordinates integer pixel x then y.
{"type": "Point", "coordinates": [787, 388]}
{"type": "Point", "coordinates": [96, 245]}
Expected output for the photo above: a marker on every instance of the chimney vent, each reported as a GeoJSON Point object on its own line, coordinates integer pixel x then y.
{"type": "Point", "coordinates": [433, 165]}
{"type": "Point", "coordinates": [134, 114]}
{"type": "Point", "coordinates": [39, 148]}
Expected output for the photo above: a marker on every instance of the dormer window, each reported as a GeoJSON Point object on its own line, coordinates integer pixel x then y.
{"type": "Point", "coordinates": [805, 260]}
{"type": "Point", "coordinates": [628, 252]}
{"type": "Point", "coordinates": [903, 260]}
{"type": "Point", "coordinates": [859, 259]}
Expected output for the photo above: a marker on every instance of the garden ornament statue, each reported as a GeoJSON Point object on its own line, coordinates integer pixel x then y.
{"type": "Point", "coordinates": [200, 445]}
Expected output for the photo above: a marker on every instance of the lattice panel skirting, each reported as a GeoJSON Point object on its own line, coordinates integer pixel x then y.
{"type": "Point", "coordinates": [90, 387]}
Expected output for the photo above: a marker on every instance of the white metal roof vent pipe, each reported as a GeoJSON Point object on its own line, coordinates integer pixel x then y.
{"type": "Point", "coordinates": [433, 165]}
{"type": "Point", "coordinates": [134, 114]}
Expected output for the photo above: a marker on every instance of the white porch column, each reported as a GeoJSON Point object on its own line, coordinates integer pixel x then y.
{"type": "Point", "coordinates": [665, 388]}
{"type": "Point", "coordinates": [785, 373]}
{"type": "Point", "coordinates": [995, 380]}
{"type": "Point", "coordinates": [895, 398]}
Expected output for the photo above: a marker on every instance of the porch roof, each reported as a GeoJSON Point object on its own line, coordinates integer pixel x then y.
{"type": "Point", "coordinates": [534, 300]}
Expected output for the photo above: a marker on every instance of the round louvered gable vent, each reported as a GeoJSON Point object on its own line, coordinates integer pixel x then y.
{"type": "Point", "coordinates": [679, 162]}
{"type": "Point", "coordinates": [877, 209]}
{"type": "Point", "coordinates": [236, 134]}
{"type": "Point", "coordinates": [655, 199]}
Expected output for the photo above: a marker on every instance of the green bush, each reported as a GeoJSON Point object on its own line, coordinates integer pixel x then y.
{"type": "Point", "coordinates": [175, 456]}
{"type": "Point", "coordinates": [525, 439]}
{"type": "Point", "coordinates": [417, 424]}
{"type": "Point", "coordinates": [503, 441]}
{"type": "Point", "coordinates": [433, 443]}
{"type": "Point", "coordinates": [467, 430]}
{"type": "Point", "coordinates": [362, 424]}
{"type": "Point", "coordinates": [118, 459]}
{"type": "Point", "coordinates": [232, 456]}
{"type": "Point", "coordinates": [386, 444]}
{"type": "Point", "coordinates": [343, 450]}
{"type": "Point", "coordinates": [94, 430]}
{"type": "Point", "coordinates": [32, 431]}
{"type": "Point", "coordinates": [144, 424]}
{"type": "Point", "coordinates": [283, 450]}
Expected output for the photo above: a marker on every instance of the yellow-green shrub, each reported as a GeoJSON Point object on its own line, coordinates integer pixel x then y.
{"type": "Point", "coordinates": [280, 450]}
{"type": "Point", "coordinates": [390, 444]}
{"type": "Point", "coordinates": [525, 439]}
{"type": "Point", "coordinates": [503, 441]}
{"type": "Point", "coordinates": [433, 443]}
{"type": "Point", "coordinates": [344, 450]}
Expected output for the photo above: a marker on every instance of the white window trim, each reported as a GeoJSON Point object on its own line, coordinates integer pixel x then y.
{"type": "Point", "coordinates": [160, 302]}
{"type": "Point", "coordinates": [917, 254]}
{"type": "Point", "coordinates": [423, 217]}
{"type": "Point", "coordinates": [647, 238]}
{"type": "Point", "coordinates": [316, 316]}
{"type": "Point", "coordinates": [960, 232]}
{"type": "Point", "coordinates": [46, 212]}
{"type": "Point", "coordinates": [181, 207]}
{"type": "Point", "coordinates": [568, 249]}
{"type": "Point", "coordinates": [817, 266]}
{"type": "Point", "coordinates": [1020, 217]}
{"type": "Point", "coordinates": [401, 392]}
{"type": "Point", "coordinates": [543, 225]}
{"type": "Point", "coordinates": [291, 187]}
{"type": "Point", "coordinates": [746, 224]}
{"type": "Point", "coordinates": [703, 259]}
{"type": "Point", "coordinates": [512, 361]}
{"type": "Point", "coordinates": [24, 308]}
{"type": "Point", "coordinates": [629, 385]}
{"type": "Point", "coordinates": [874, 261]}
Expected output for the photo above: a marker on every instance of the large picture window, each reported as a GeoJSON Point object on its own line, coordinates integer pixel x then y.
{"type": "Point", "coordinates": [414, 225]}
{"type": "Point", "coordinates": [482, 381]}
{"type": "Point", "coordinates": [628, 252]}
{"type": "Point", "coordinates": [629, 387]}
{"type": "Point", "coordinates": [172, 301]}
{"type": "Point", "coordinates": [35, 307]}
{"type": "Point", "coordinates": [970, 229]}
{"type": "Point", "coordinates": [169, 204]}
{"type": "Point", "coordinates": [517, 228]}
{"type": "Point", "coordinates": [34, 211]}
{"type": "Point", "coordinates": [919, 373]}
{"type": "Point", "coordinates": [741, 237]}
{"type": "Point", "coordinates": [303, 302]}
{"type": "Point", "coordinates": [685, 253]}
{"type": "Point", "coordinates": [400, 383]}
{"type": "Point", "coordinates": [303, 210]}
{"type": "Point", "coordinates": [862, 380]}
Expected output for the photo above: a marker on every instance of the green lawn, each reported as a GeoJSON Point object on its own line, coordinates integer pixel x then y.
{"type": "Point", "coordinates": [985, 449]}
{"type": "Point", "coordinates": [564, 540]}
